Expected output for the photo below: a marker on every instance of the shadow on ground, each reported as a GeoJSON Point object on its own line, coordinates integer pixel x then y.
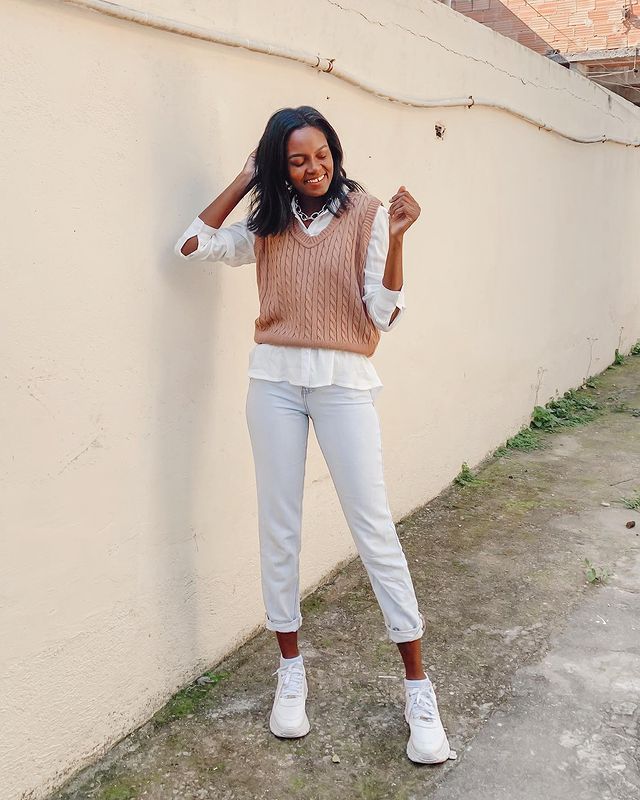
{"type": "Point", "coordinates": [536, 670]}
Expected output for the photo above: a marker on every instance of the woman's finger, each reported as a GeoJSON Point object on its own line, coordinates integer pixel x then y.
{"type": "Point", "coordinates": [401, 202]}
{"type": "Point", "coordinates": [399, 194]}
{"type": "Point", "coordinates": [401, 211]}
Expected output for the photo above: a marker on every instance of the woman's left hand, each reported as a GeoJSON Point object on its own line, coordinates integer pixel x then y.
{"type": "Point", "coordinates": [403, 212]}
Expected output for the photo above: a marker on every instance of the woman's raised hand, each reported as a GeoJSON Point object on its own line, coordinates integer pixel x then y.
{"type": "Point", "coordinates": [403, 212]}
{"type": "Point", "coordinates": [250, 165]}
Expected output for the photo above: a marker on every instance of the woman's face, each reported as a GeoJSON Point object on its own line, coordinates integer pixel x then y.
{"type": "Point", "coordinates": [310, 161]}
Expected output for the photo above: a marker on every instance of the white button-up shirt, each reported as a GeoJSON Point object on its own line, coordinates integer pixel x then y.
{"type": "Point", "coordinates": [307, 366]}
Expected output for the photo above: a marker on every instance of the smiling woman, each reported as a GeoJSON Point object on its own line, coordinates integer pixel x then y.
{"type": "Point", "coordinates": [299, 157]}
{"type": "Point", "coordinates": [328, 262]}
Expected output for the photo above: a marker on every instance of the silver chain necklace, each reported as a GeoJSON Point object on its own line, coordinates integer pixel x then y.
{"type": "Point", "coordinates": [304, 216]}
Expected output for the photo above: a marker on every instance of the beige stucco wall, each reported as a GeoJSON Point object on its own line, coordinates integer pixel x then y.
{"type": "Point", "coordinates": [129, 547]}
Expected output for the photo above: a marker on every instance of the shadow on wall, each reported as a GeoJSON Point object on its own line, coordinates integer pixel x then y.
{"type": "Point", "coordinates": [181, 337]}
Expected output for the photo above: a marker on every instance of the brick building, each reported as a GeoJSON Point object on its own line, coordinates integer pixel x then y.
{"type": "Point", "coordinates": [599, 38]}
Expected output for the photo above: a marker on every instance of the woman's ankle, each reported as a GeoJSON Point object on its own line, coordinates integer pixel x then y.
{"type": "Point", "coordinates": [420, 675]}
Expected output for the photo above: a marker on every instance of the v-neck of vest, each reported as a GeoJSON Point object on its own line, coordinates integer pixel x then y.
{"type": "Point", "coordinates": [307, 239]}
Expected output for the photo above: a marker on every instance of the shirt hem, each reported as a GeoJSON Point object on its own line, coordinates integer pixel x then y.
{"type": "Point", "coordinates": [253, 373]}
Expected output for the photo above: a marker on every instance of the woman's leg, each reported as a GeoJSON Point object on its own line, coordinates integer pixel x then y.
{"type": "Point", "coordinates": [278, 427]}
{"type": "Point", "coordinates": [411, 653]}
{"type": "Point", "coordinates": [288, 643]}
{"type": "Point", "coordinates": [348, 430]}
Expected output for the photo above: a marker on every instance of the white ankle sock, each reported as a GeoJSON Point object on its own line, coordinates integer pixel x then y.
{"type": "Point", "coordinates": [411, 684]}
{"type": "Point", "coordinates": [285, 662]}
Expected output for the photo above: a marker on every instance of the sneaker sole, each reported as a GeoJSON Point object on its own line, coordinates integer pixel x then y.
{"type": "Point", "coordinates": [438, 758]}
{"type": "Point", "coordinates": [280, 733]}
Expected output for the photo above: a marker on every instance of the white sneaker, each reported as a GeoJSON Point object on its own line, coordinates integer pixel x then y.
{"type": "Point", "coordinates": [288, 716]}
{"type": "Point", "coordinates": [428, 743]}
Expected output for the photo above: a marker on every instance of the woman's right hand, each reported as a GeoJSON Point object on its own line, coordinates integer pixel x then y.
{"type": "Point", "coordinates": [216, 212]}
{"type": "Point", "coordinates": [250, 165]}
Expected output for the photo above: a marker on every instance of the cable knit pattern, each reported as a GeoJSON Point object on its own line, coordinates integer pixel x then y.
{"type": "Point", "coordinates": [311, 287]}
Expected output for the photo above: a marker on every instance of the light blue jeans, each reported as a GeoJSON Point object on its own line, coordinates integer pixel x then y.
{"type": "Point", "coordinates": [347, 428]}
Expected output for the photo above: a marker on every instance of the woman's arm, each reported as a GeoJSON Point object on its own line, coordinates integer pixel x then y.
{"type": "Point", "coordinates": [384, 306]}
{"type": "Point", "coordinates": [393, 278]}
{"type": "Point", "coordinates": [233, 245]}
{"type": "Point", "coordinates": [217, 211]}
{"type": "Point", "coordinates": [403, 212]}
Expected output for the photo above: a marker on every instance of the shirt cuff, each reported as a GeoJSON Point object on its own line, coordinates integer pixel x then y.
{"type": "Point", "coordinates": [389, 299]}
{"type": "Point", "coordinates": [206, 228]}
{"type": "Point", "coordinates": [197, 227]}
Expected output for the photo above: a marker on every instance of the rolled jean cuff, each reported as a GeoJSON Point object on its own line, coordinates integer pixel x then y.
{"type": "Point", "coordinates": [409, 635]}
{"type": "Point", "coordinates": [283, 627]}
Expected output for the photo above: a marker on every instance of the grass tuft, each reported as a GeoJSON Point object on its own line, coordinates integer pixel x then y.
{"type": "Point", "coordinates": [632, 502]}
{"type": "Point", "coordinates": [618, 359]}
{"type": "Point", "coordinates": [595, 575]}
{"type": "Point", "coordinates": [573, 408]}
{"type": "Point", "coordinates": [525, 439]}
{"type": "Point", "coordinates": [466, 477]}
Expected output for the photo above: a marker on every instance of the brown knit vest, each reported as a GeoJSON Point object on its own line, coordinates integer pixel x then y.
{"type": "Point", "coordinates": [311, 287]}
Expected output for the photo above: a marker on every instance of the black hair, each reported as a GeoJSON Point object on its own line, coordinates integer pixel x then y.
{"type": "Point", "coordinates": [270, 206]}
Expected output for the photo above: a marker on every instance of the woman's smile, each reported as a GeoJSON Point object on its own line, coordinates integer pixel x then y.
{"type": "Point", "coordinates": [316, 180]}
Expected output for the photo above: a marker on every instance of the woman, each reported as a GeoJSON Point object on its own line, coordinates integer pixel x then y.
{"type": "Point", "coordinates": [329, 271]}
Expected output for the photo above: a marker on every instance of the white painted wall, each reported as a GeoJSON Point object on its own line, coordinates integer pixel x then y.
{"type": "Point", "coordinates": [129, 546]}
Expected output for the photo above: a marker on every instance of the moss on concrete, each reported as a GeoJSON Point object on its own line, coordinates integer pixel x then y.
{"type": "Point", "coordinates": [188, 700]}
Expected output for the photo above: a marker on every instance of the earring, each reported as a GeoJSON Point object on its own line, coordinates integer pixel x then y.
{"type": "Point", "coordinates": [287, 184]}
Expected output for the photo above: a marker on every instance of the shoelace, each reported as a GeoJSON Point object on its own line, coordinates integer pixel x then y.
{"type": "Point", "coordinates": [292, 681]}
{"type": "Point", "coordinates": [422, 700]}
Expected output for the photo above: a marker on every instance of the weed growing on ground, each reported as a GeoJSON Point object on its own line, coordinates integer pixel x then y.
{"type": "Point", "coordinates": [466, 477]}
{"type": "Point", "coordinates": [573, 408]}
{"type": "Point", "coordinates": [542, 418]}
{"type": "Point", "coordinates": [635, 350]}
{"type": "Point", "coordinates": [618, 358]}
{"type": "Point", "coordinates": [525, 439]}
{"type": "Point", "coordinates": [595, 575]}
{"type": "Point", "coordinates": [632, 502]}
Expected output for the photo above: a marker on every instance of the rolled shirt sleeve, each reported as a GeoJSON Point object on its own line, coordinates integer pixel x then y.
{"type": "Point", "coordinates": [232, 245]}
{"type": "Point", "coordinates": [379, 300]}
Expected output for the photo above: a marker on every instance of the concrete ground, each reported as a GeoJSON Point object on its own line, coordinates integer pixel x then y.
{"type": "Point", "coordinates": [537, 671]}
